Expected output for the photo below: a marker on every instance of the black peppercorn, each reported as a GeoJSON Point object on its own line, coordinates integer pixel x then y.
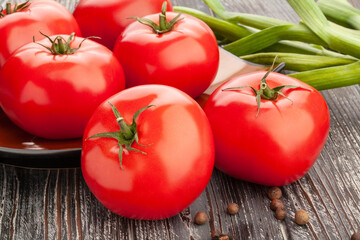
{"type": "Point", "coordinates": [223, 237]}
{"type": "Point", "coordinates": [274, 193]}
{"type": "Point", "coordinates": [215, 234]}
{"type": "Point", "coordinates": [280, 213]}
{"type": "Point", "coordinates": [301, 217]}
{"type": "Point", "coordinates": [233, 208]}
{"type": "Point", "coordinates": [275, 204]}
{"type": "Point", "coordinates": [355, 236]}
{"type": "Point", "coordinates": [200, 218]}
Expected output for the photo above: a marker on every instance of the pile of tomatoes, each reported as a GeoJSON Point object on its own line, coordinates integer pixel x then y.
{"type": "Point", "coordinates": [127, 87]}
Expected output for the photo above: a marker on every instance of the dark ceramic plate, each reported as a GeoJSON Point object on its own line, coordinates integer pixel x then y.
{"type": "Point", "coordinates": [19, 148]}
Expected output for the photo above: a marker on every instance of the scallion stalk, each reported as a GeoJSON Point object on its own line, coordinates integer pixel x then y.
{"type": "Point", "coordinates": [296, 32]}
{"type": "Point", "coordinates": [331, 77]}
{"type": "Point", "coordinates": [257, 41]}
{"type": "Point", "coordinates": [226, 29]}
{"type": "Point", "coordinates": [297, 62]}
{"type": "Point", "coordinates": [233, 32]}
{"type": "Point", "coordinates": [341, 12]}
{"type": "Point", "coordinates": [312, 16]}
{"type": "Point", "coordinates": [253, 20]}
{"type": "Point", "coordinates": [320, 67]}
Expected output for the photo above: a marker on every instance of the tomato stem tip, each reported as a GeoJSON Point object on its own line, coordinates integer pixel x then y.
{"type": "Point", "coordinates": [61, 46]}
{"type": "Point", "coordinates": [17, 8]}
{"type": "Point", "coordinates": [127, 134]}
{"type": "Point", "coordinates": [163, 26]}
{"type": "Point", "coordinates": [265, 92]}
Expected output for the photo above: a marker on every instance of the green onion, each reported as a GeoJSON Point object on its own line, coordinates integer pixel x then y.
{"type": "Point", "coordinates": [303, 48]}
{"type": "Point", "coordinates": [312, 16]}
{"type": "Point", "coordinates": [233, 32]}
{"type": "Point", "coordinates": [346, 31]}
{"type": "Point", "coordinates": [296, 32]}
{"type": "Point", "coordinates": [226, 29]}
{"type": "Point", "coordinates": [256, 21]}
{"type": "Point", "coordinates": [332, 77]}
{"type": "Point", "coordinates": [297, 62]}
{"type": "Point", "coordinates": [340, 12]}
{"type": "Point", "coordinates": [331, 59]}
{"type": "Point", "coordinates": [267, 38]}
{"type": "Point", "coordinates": [257, 41]}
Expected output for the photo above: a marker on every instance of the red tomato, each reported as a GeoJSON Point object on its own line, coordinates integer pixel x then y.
{"type": "Point", "coordinates": [17, 29]}
{"type": "Point", "coordinates": [277, 146]}
{"type": "Point", "coordinates": [187, 57]}
{"type": "Point", "coordinates": [179, 155]}
{"type": "Point", "coordinates": [53, 96]}
{"type": "Point", "coordinates": [108, 18]}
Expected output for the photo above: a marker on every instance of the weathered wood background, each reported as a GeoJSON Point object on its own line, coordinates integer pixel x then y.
{"type": "Point", "coordinates": [56, 204]}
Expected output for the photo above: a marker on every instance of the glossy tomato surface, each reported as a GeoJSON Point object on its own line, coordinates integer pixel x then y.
{"type": "Point", "coordinates": [187, 57]}
{"type": "Point", "coordinates": [53, 96]}
{"type": "Point", "coordinates": [278, 146]}
{"type": "Point", "coordinates": [179, 154]}
{"type": "Point", "coordinates": [108, 18]}
{"type": "Point", "coordinates": [19, 28]}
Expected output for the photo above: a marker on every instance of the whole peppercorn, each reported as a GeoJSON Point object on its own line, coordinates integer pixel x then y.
{"type": "Point", "coordinates": [301, 217]}
{"type": "Point", "coordinates": [215, 234]}
{"type": "Point", "coordinates": [274, 193]}
{"type": "Point", "coordinates": [275, 204]}
{"type": "Point", "coordinates": [280, 213]}
{"type": "Point", "coordinates": [223, 237]}
{"type": "Point", "coordinates": [233, 208]}
{"type": "Point", "coordinates": [355, 236]}
{"type": "Point", "coordinates": [200, 218]}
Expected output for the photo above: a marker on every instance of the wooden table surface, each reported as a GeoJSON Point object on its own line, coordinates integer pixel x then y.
{"type": "Point", "coordinates": [56, 204]}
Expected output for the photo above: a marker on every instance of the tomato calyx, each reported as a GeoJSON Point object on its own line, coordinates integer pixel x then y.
{"type": "Point", "coordinates": [163, 26]}
{"type": "Point", "coordinates": [16, 8]}
{"type": "Point", "coordinates": [265, 92]}
{"type": "Point", "coordinates": [61, 46]}
{"type": "Point", "coordinates": [127, 134]}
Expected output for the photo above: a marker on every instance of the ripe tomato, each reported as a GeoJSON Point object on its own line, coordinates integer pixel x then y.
{"type": "Point", "coordinates": [108, 18]}
{"type": "Point", "coordinates": [186, 57]}
{"type": "Point", "coordinates": [53, 96]}
{"type": "Point", "coordinates": [177, 159]}
{"type": "Point", "coordinates": [277, 146]}
{"type": "Point", "coordinates": [18, 28]}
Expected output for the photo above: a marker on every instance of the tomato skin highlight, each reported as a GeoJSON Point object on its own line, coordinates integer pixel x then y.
{"type": "Point", "coordinates": [179, 154]}
{"type": "Point", "coordinates": [53, 96]}
{"type": "Point", "coordinates": [187, 57]}
{"type": "Point", "coordinates": [108, 18]}
{"type": "Point", "coordinates": [18, 29]}
{"type": "Point", "coordinates": [277, 147]}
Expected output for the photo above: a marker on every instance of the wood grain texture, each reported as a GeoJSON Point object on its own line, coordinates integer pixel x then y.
{"type": "Point", "coordinates": [56, 204]}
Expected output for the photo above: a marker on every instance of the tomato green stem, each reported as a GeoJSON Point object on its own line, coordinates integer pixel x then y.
{"type": "Point", "coordinates": [162, 17]}
{"type": "Point", "coordinates": [60, 46]}
{"type": "Point", "coordinates": [125, 129]}
{"type": "Point", "coordinates": [164, 26]}
{"type": "Point", "coordinates": [127, 134]}
{"type": "Point", "coordinates": [8, 7]}
{"type": "Point", "coordinates": [16, 8]}
{"type": "Point", "coordinates": [265, 92]}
